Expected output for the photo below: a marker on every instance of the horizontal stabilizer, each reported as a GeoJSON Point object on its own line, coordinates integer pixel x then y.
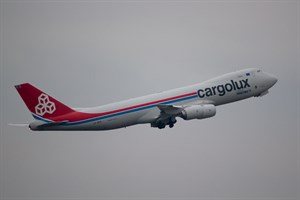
{"type": "Point", "coordinates": [18, 125]}
{"type": "Point", "coordinates": [38, 125]}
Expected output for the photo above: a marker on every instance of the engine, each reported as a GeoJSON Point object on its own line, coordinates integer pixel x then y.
{"type": "Point", "coordinates": [198, 112]}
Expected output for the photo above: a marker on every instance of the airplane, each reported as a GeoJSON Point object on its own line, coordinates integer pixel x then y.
{"type": "Point", "coordinates": [197, 101]}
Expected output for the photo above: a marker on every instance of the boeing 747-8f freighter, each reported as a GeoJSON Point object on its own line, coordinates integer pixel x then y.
{"type": "Point", "coordinates": [197, 101]}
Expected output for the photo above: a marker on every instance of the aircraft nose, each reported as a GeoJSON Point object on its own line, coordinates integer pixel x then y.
{"type": "Point", "coordinates": [272, 79]}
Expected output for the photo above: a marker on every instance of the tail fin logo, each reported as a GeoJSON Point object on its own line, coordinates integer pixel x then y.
{"type": "Point", "coordinates": [44, 105]}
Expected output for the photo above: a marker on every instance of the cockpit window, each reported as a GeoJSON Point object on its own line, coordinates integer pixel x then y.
{"type": "Point", "coordinates": [258, 70]}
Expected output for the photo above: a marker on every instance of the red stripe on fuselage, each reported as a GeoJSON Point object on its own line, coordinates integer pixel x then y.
{"type": "Point", "coordinates": [78, 116]}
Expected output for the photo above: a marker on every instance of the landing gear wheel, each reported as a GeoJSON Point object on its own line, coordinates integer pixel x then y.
{"type": "Point", "coordinates": [171, 125]}
{"type": "Point", "coordinates": [161, 126]}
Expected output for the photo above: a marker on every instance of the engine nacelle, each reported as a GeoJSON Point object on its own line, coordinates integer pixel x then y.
{"type": "Point", "coordinates": [199, 112]}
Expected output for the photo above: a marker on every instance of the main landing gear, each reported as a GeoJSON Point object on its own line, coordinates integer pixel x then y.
{"type": "Point", "coordinates": [162, 124]}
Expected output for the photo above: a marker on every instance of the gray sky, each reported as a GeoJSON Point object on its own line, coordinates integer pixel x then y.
{"type": "Point", "coordinates": [97, 52]}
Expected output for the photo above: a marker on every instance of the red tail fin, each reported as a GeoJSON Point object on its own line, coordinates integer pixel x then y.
{"type": "Point", "coordinates": [40, 103]}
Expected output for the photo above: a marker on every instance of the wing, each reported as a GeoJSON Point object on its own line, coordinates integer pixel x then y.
{"type": "Point", "coordinates": [194, 110]}
{"type": "Point", "coordinates": [170, 109]}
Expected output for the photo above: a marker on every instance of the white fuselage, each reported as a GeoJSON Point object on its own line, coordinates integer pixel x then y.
{"type": "Point", "coordinates": [224, 89]}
